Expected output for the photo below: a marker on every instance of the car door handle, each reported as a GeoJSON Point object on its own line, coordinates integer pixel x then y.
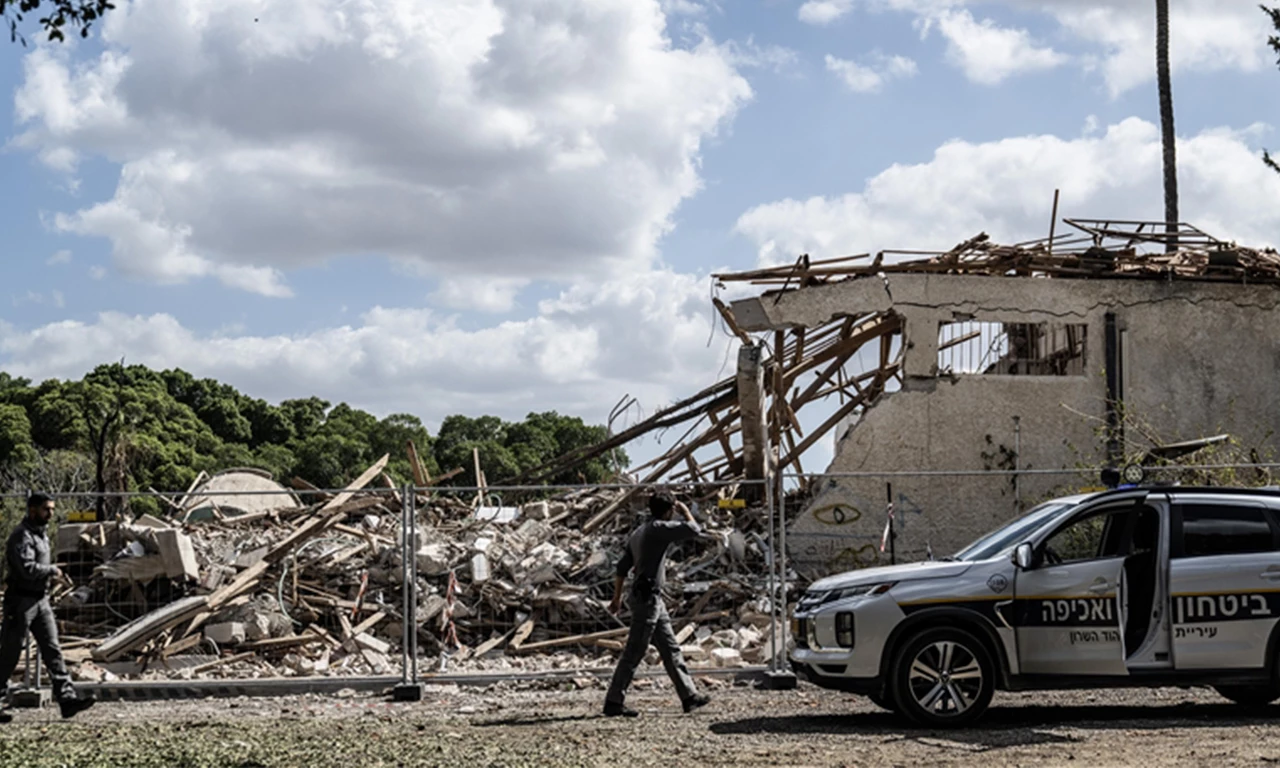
{"type": "Point", "coordinates": [1271, 573]}
{"type": "Point", "coordinates": [1100, 586]}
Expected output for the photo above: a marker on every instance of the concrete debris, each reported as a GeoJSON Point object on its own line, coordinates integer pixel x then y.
{"type": "Point", "coordinates": [226, 633]}
{"type": "Point", "coordinates": [315, 586]}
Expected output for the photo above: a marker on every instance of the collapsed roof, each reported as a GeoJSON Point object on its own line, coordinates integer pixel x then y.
{"type": "Point", "coordinates": [830, 356]}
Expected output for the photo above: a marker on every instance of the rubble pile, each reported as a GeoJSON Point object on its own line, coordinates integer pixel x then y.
{"type": "Point", "coordinates": [317, 589]}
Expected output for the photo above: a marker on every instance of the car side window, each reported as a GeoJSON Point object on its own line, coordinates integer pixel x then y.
{"type": "Point", "coordinates": [1093, 537]}
{"type": "Point", "coordinates": [1225, 529]}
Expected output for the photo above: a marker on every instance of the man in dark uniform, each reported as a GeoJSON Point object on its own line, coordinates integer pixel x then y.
{"type": "Point", "coordinates": [29, 570]}
{"type": "Point", "coordinates": [646, 552]}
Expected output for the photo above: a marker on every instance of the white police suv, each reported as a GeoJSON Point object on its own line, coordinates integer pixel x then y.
{"type": "Point", "coordinates": [1135, 587]}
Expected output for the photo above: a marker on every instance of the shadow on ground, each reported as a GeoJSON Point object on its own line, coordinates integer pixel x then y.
{"type": "Point", "coordinates": [1003, 727]}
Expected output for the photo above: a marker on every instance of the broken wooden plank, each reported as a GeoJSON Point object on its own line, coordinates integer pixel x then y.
{"type": "Point", "coordinates": [369, 642]}
{"type": "Point", "coordinates": [368, 623]}
{"type": "Point", "coordinates": [421, 478]}
{"type": "Point", "coordinates": [522, 633]}
{"type": "Point", "coordinates": [605, 634]}
{"type": "Point", "coordinates": [185, 644]}
{"type": "Point", "coordinates": [137, 632]}
{"type": "Point", "coordinates": [277, 643]}
{"type": "Point", "coordinates": [731, 321]}
{"type": "Point", "coordinates": [364, 479]}
{"type": "Point", "coordinates": [220, 662]}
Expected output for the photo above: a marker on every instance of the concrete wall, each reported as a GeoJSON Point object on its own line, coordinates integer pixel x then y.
{"type": "Point", "coordinates": [1199, 359]}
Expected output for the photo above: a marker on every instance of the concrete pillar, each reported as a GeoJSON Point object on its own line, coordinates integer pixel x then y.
{"type": "Point", "coordinates": [751, 404]}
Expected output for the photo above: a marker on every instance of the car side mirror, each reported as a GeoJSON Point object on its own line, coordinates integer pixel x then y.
{"type": "Point", "coordinates": [1022, 556]}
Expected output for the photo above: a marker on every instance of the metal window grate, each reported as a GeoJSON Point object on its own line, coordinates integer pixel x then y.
{"type": "Point", "coordinates": [1011, 349]}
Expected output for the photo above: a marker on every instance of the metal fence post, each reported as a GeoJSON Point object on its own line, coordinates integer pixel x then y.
{"type": "Point", "coordinates": [410, 503]}
{"type": "Point", "coordinates": [773, 582]}
{"type": "Point", "coordinates": [779, 675]}
{"type": "Point", "coordinates": [409, 689]}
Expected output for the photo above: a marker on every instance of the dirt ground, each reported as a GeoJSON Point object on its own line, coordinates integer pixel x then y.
{"type": "Point", "coordinates": [531, 724]}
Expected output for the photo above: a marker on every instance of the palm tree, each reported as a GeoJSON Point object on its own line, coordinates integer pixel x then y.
{"type": "Point", "coordinates": [1167, 136]}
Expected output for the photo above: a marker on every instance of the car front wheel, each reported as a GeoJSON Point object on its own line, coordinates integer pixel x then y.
{"type": "Point", "coordinates": [882, 700]}
{"type": "Point", "coordinates": [942, 677]}
{"type": "Point", "coordinates": [1249, 695]}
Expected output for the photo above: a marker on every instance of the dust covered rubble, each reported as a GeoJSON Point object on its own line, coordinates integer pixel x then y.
{"type": "Point", "coordinates": [520, 589]}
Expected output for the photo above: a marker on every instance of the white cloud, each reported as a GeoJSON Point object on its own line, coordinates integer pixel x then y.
{"type": "Point", "coordinates": [1205, 35]}
{"type": "Point", "coordinates": [98, 272]}
{"type": "Point", "coordinates": [871, 78]}
{"type": "Point", "coordinates": [752, 54]}
{"type": "Point", "coordinates": [1114, 38]}
{"type": "Point", "coordinates": [1005, 188]}
{"type": "Point", "coordinates": [987, 53]}
{"type": "Point", "coordinates": [645, 335]}
{"type": "Point", "coordinates": [687, 7]}
{"type": "Point", "coordinates": [824, 11]}
{"type": "Point", "coordinates": [525, 138]}
{"type": "Point", "coordinates": [482, 294]}
{"type": "Point", "coordinates": [55, 298]}
{"type": "Point", "coordinates": [59, 257]}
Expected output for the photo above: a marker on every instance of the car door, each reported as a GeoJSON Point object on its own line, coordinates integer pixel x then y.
{"type": "Point", "coordinates": [1224, 580]}
{"type": "Point", "coordinates": [1068, 602]}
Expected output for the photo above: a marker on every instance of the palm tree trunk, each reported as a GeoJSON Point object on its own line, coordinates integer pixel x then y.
{"type": "Point", "coordinates": [1167, 135]}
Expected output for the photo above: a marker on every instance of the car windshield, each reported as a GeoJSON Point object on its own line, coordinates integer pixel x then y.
{"type": "Point", "coordinates": [1012, 533]}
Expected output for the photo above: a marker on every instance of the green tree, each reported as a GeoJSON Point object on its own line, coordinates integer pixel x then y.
{"type": "Point", "coordinates": [304, 416]}
{"type": "Point", "coordinates": [392, 435]}
{"type": "Point", "coordinates": [60, 15]}
{"type": "Point", "coordinates": [12, 387]}
{"type": "Point", "coordinates": [267, 423]}
{"type": "Point", "coordinates": [15, 435]}
{"type": "Point", "coordinates": [1274, 42]}
{"type": "Point", "coordinates": [461, 438]}
{"type": "Point", "coordinates": [1167, 136]}
{"type": "Point", "coordinates": [330, 460]}
{"type": "Point", "coordinates": [276, 459]}
{"type": "Point", "coordinates": [56, 423]}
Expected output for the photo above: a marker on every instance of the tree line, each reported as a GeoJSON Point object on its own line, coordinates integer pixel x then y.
{"type": "Point", "coordinates": [131, 428]}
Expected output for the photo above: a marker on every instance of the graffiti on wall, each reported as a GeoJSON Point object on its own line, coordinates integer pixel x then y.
{"type": "Point", "coordinates": [844, 534]}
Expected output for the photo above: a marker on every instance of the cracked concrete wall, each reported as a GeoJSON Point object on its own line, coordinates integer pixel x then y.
{"type": "Point", "coordinates": [1199, 359]}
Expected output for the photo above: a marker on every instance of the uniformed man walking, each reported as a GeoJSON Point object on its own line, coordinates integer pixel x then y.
{"type": "Point", "coordinates": [646, 553]}
{"type": "Point", "coordinates": [26, 605]}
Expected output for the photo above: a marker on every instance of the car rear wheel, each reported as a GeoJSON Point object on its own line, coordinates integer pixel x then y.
{"type": "Point", "coordinates": [1249, 695]}
{"type": "Point", "coordinates": [942, 677]}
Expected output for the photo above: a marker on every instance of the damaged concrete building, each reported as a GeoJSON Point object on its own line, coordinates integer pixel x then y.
{"type": "Point", "coordinates": [1005, 362]}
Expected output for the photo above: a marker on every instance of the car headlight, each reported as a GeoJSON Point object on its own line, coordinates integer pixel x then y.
{"type": "Point", "coordinates": [815, 598]}
{"type": "Point", "coordinates": [860, 591]}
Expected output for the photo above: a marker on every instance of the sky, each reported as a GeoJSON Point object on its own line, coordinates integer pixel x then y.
{"type": "Point", "coordinates": [505, 206]}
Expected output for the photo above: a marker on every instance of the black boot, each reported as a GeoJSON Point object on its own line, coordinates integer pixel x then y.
{"type": "Point", "coordinates": [619, 710]}
{"type": "Point", "coordinates": [73, 707]}
{"type": "Point", "coordinates": [695, 701]}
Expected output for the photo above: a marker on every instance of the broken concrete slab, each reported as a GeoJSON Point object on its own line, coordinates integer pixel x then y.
{"type": "Point", "coordinates": [178, 554]}
{"type": "Point", "coordinates": [226, 633]}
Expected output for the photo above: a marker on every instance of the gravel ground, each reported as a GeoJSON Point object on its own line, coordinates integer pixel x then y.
{"type": "Point", "coordinates": [526, 724]}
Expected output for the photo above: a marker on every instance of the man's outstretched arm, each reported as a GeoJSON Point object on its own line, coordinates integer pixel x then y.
{"type": "Point", "coordinates": [619, 579]}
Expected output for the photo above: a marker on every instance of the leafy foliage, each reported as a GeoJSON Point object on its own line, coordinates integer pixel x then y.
{"type": "Point", "coordinates": [61, 15]}
{"type": "Point", "coordinates": [132, 428]}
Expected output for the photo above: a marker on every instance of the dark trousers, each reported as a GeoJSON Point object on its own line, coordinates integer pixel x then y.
{"type": "Point", "coordinates": [34, 613]}
{"type": "Point", "coordinates": [650, 623]}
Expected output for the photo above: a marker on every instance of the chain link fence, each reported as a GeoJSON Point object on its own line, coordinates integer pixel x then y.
{"type": "Point", "coordinates": [840, 521]}
{"type": "Point", "coordinates": [398, 583]}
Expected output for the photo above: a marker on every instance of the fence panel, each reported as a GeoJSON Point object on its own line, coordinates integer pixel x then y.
{"type": "Point", "coordinates": [382, 584]}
